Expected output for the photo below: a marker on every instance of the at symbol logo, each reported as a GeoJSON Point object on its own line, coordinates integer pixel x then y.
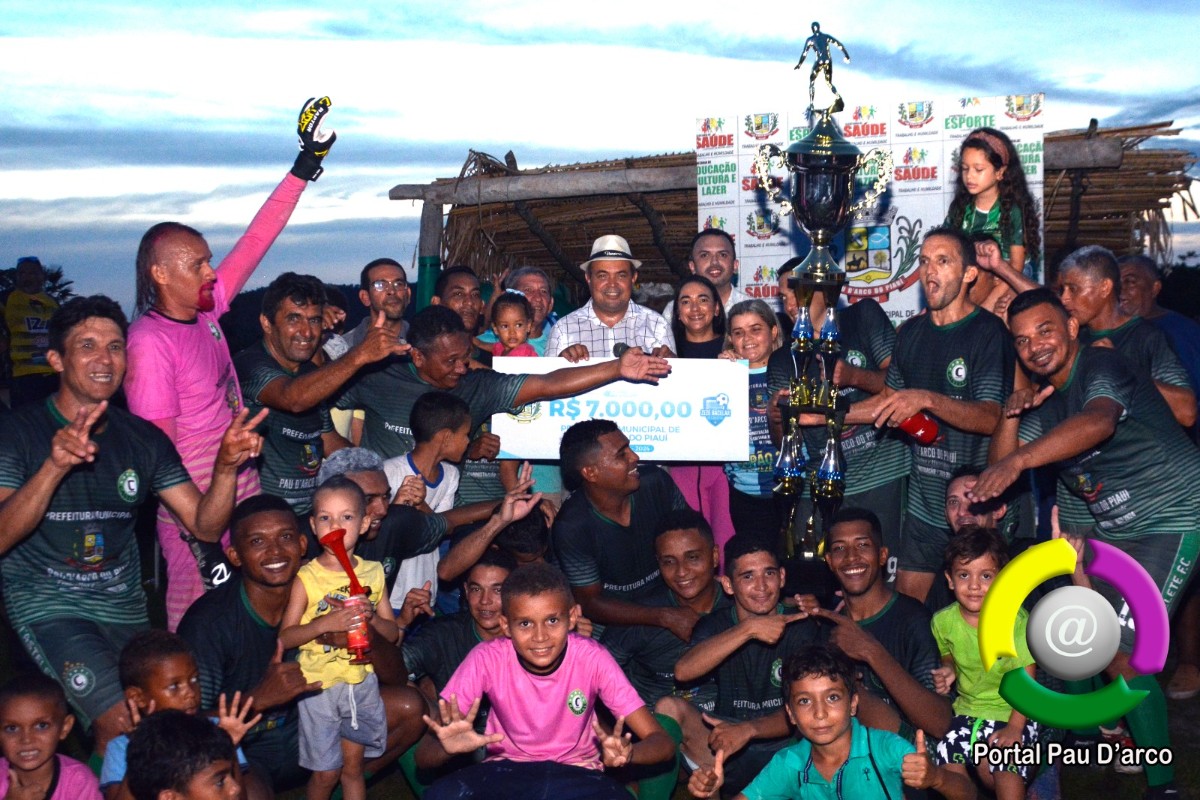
{"type": "Point", "coordinates": [1071, 630]}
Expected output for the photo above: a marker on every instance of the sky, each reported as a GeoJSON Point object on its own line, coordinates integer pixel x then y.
{"type": "Point", "coordinates": [118, 115]}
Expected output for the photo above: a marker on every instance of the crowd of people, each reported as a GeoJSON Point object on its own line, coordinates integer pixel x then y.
{"type": "Point", "coordinates": [354, 579]}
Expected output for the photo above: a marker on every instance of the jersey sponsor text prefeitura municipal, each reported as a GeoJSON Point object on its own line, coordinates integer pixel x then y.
{"type": "Point", "coordinates": [82, 559]}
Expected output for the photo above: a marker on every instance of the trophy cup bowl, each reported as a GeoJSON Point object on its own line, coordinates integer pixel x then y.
{"type": "Point", "coordinates": [823, 165]}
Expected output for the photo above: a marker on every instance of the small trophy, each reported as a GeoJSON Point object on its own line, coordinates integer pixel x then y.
{"type": "Point", "coordinates": [823, 166]}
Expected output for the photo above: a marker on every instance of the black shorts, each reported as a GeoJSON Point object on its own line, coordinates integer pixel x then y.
{"type": "Point", "coordinates": [1168, 558]}
{"type": "Point", "coordinates": [82, 655]}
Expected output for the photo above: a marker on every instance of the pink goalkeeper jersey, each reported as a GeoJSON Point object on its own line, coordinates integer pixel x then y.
{"type": "Point", "coordinates": [183, 370]}
{"type": "Point", "coordinates": [544, 717]}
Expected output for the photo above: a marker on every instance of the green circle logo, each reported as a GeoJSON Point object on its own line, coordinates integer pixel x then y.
{"type": "Point", "coordinates": [777, 673]}
{"type": "Point", "coordinates": [956, 373]}
{"type": "Point", "coordinates": [855, 358]}
{"type": "Point", "coordinates": [79, 679]}
{"type": "Point", "coordinates": [577, 702]}
{"type": "Point", "coordinates": [127, 486]}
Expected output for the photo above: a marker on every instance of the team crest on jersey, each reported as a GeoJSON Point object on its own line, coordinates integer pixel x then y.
{"type": "Point", "coordinates": [214, 330]}
{"type": "Point", "coordinates": [777, 673]}
{"type": "Point", "coordinates": [855, 359]}
{"type": "Point", "coordinates": [127, 486]}
{"type": "Point", "coordinates": [527, 414]}
{"type": "Point", "coordinates": [956, 373]}
{"type": "Point", "coordinates": [577, 702]}
{"type": "Point", "coordinates": [79, 679]}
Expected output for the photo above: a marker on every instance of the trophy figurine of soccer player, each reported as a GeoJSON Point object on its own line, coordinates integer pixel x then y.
{"type": "Point", "coordinates": [823, 165]}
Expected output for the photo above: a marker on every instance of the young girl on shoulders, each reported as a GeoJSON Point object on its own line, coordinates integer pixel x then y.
{"type": "Point", "coordinates": [991, 196]}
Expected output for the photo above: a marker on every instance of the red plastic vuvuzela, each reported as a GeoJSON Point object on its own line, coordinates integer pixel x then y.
{"type": "Point", "coordinates": [357, 641]}
{"type": "Point", "coordinates": [336, 541]}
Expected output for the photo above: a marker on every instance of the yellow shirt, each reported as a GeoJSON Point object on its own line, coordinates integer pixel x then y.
{"type": "Point", "coordinates": [319, 662]}
{"type": "Point", "coordinates": [27, 317]}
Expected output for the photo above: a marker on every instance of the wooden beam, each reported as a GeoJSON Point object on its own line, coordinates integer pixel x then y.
{"type": "Point", "coordinates": [576, 183]}
{"type": "Point", "coordinates": [1097, 153]}
{"type": "Point", "coordinates": [539, 230]}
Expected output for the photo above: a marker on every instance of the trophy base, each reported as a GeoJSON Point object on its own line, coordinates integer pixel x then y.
{"type": "Point", "coordinates": [820, 270]}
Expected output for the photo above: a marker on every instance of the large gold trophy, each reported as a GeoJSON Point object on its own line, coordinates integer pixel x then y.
{"type": "Point", "coordinates": [823, 167]}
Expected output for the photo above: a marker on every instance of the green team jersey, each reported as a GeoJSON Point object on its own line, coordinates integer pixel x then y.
{"type": "Point", "coordinates": [388, 391]}
{"type": "Point", "coordinates": [1142, 479]}
{"type": "Point", "coordinates": [292, 445]}
{"type": "Point", "coordinates": [1146, 348]}
{"type": "Point", "coordinates": [439, 646]}
{"type": "Point", "coordinates": [749, 681]}
{"type": "Point", "coordinates": [976, 221]}
{"type": "Point", "coordinates": [591, 548]}
{"type": "Point", "coordinates": [82, 559]}
{"type": "Point", "coordinates": [970, 360]}
{"type": "Point", "coordinates": [648, 654]}
{"type": "Point", "coordinates": [1148, 352]}
{"type": "Point", "coordinates": [873, 457]}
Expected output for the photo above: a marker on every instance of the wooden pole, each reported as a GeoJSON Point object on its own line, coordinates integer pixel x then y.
{"type": "Point", "coordinates": [429, 252]}
{"type": "Point", "coordinates": [548, 241]}
{"type": "Point", "coordinates": [659, 234]}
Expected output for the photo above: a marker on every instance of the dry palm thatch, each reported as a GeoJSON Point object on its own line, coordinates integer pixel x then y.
{"type": "Point", "coordinates": [1123, 208]}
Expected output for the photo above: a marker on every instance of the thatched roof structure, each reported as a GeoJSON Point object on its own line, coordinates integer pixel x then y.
{"type": "Point", "coordinates": [1123, 209]}
{"type": "Point", "coordinates": [502, 216]}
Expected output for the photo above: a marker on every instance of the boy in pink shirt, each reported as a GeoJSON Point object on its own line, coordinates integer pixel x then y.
{"type": "Point", "coordinates": [34, 718]}
{"type": "Point", "coordinates": [542, 681]}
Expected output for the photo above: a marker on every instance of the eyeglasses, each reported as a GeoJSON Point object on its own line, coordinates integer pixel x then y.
{"type": "Point", "coordinates": [397, 285]}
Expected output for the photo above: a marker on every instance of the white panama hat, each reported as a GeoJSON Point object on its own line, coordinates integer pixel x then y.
{"type": "Point", "coordinates": [611, 248]}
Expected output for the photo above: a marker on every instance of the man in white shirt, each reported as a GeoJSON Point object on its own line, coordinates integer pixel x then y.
{"type": "Point", "coordinates": [610, 317]}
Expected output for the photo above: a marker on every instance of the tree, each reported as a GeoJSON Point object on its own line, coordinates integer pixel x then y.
{"type": "Point", "coordinates": [55, 286]}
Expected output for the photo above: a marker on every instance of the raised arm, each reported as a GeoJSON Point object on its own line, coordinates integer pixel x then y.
{"type": "Point", "coordinates": [297, 395]}
{"type": "Point", "coordinates": [207, 515]}
{"type": "Point", "coordinates": [633, 365]}
{"type": "Point", "coordinates": [1076, 434]}
{"type": "Point", "coordinates": [270, 220]}
{"type": "Point", "coordinates": [22, 509]}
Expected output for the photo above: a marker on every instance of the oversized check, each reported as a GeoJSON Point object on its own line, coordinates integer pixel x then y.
{"type": "Point", "coordinates": [700, 412]}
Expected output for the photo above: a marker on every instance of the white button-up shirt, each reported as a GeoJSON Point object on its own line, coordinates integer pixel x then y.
{"type": "Point", "coordinates": [640, 327]}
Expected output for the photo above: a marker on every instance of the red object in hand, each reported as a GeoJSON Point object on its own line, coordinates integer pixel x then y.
{"type": "Point", "coordinates": [921, 427]}
{"type": "Point", "coordinates": [357, 641]}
